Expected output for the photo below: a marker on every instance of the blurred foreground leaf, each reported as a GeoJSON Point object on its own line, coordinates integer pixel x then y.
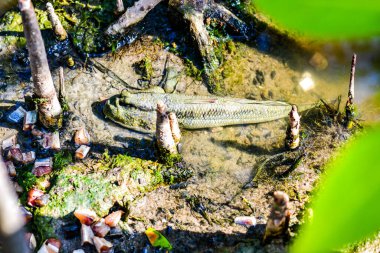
{"type": "Point", "coordinates": [347, 206]}
{"type": "Point", "coordinates": [325, 19]}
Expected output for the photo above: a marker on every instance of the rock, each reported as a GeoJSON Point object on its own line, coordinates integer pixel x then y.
{"type": "Point", "coordinates": [17, 115]}
{"type": "Point", "coordinates": [9, 142]}
{"type": "Point", "coordinates": [318, 61]}
{"type": "Point", "coordinates": [247, 221]}
{"type": "Point", "coordinates": [30, 119]}
{"type": "Point", "coordinates": [82, 137]}
{"type": "Point", "coordinates": [82, 152]}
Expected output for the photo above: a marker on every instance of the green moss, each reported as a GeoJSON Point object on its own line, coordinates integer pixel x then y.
{"type": "Point", "coordinates": [42, 226]}
{"type": "Point", "coordinates": [192, 71]}
{"type": "Point", "coordinates": [84, 20]}
{"type": "Point", "coordinates": [157, 177]}
{"type": "Point", "coordinates": [176, 174]}
{"type": "Point", "coordinates": [65, 106]}
{"type": "Point", "coordinates": [144, 68]}
{"type": "Point", "coordinates": [62, 159]}
{"type": "Point", "coordinates": [73, 188]}
{"type": "Point", "coordinates": [169, 159]}
{"type": "Point", "coordinates": [230, 46]}
{"type": "Point", "coordinates": [25, 178]}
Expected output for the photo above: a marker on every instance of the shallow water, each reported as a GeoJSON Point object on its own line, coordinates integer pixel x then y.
{"type": "Point", "coordinates": [226, 159]}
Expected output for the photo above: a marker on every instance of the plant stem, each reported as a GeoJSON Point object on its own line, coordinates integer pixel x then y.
{"type": "Point", "coordinates": [350, 108]}
{"type": "Point", "coordinates": [58, 29]}
{"type": "Point", "coordinates": [49, 111]}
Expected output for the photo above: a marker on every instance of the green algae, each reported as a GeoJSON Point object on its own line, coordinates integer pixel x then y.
{"type": "Point", "coordinates": [62, 159]}
{"type": "Point", "coordinates": [25, 178]}
{"type": "Point", "coordinates": [85, 21]}
{"type": "Point", "coordinates": [144, 68]}
{"type": "Point", "coordinates": [115, 179]}
{"type": "Point", "coordinates": [192, 71]}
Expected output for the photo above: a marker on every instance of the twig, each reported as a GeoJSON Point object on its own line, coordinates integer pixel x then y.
{"type": "Point", "coordinates": [62, 91]}
{"type": "Point", "coordinates": [352, 80]}
{"type": "Point", "coordinates": [59, 31]}
{"type": "Point", "coordinates": [350, 108]}
{"type": "Point", "coordinates": [119, 7]}
{"type": "Point", "coordinates": [132, 16]}
{"type": "Point", "coordinates": [293, 167]}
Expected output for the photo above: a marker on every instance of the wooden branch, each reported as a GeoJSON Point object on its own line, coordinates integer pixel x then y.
{"type": "Point", "coordinates": [206, 49]}
{"type": "Point", "coordinates": [220, 12]}
{"type": "Point", "coordinates": [58, 29]}
{"type": "Point", "coordinates": [119, 7]}
{"type": "Point", "coordinates": [49, 111]}
{"type": "Point", "coordinates": [199, 31]}
{"type": "Point", "coordinates": [350, 107]}
{"type": "Point", "coordinates": [352, 80]}
{"type": "Point", "coordinates": [62, 91]}
{"type": "Point", "coordinates": [132, 16]}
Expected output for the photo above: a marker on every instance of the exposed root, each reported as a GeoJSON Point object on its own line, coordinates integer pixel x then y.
{"type": "Point", "coordinates": [132, 16]}
{"type": "Point", "coordinates": [199, 31]}
{"type": "Point", "coordinates": [194, 12]}
{"type": "Point", "coordinates": [222, 13]}
{"type": "Point", "coordinates": [119, 7]}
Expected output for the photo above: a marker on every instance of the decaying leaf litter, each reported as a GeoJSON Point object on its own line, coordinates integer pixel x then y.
{"type": "Point", "coordinates": [195, 214]}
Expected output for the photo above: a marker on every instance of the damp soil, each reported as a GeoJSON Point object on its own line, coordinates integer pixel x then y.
{"type": "Point", "coordinates": [234, 169]}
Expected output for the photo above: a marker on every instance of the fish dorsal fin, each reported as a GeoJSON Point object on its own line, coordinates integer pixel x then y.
{"type": "Point", "coordinates": [201, 101]}
{"type": "Point", "coordinates": [257, 102]}
{"type": "Point", "coordinates": [225, 100]}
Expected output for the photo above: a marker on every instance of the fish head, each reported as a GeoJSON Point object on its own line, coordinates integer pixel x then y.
{"type": "Point", "coordinates": [125, 96]}
{"type": "Point", "coordinates": [129, 116]}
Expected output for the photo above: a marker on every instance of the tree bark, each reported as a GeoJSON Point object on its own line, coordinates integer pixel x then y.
{"type": "Point", "coordinates": [119, 7]}
{"type": "Point", "coordinates": [222, 13]}
{"type": "Point", "coordinates": [164, 136]}
{"type": "Point", "coordinates": [58, 29]}
{"type": "Point", "coordinates": [11, 220]}
{"type": "Point", "coordinates": [49, 108]}
{"type": "Point", "coordinates": [132, 16]}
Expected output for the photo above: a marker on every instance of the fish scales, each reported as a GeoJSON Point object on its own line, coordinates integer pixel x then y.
{"type": "Point", "coordinates": [194, 112]}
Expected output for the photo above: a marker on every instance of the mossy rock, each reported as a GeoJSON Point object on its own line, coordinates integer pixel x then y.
{"type": "Point", "coordinates": [114, 180]}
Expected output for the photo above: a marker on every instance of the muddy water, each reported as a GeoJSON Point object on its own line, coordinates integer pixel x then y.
{"type": "Point", "coordinates": [226, 159]}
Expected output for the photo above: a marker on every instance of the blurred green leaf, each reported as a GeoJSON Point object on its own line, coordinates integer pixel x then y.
{"type": "Point", "coordinates": [325, 19]}
{"type": "Point", "coordinates": [347, 207]}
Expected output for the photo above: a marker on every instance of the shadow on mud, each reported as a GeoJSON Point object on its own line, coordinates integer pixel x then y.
{"type": "Point", "coordinates": [129, 240]}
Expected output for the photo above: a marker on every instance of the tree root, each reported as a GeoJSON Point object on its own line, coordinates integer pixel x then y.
{"type": "Point", "coordinates": [222, 13]}
{"type": "Point", "coordinates": [132, 16]}
{"type": "Point", "coordinates": [194, 12]}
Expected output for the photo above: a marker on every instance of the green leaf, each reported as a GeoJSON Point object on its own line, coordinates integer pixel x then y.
{"type": "Point", "coordinates": [325, 19]}
{"type": "Point", "coordinates": [347, 207]}
{"type": "Point", "coordinates": [157, 239]}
